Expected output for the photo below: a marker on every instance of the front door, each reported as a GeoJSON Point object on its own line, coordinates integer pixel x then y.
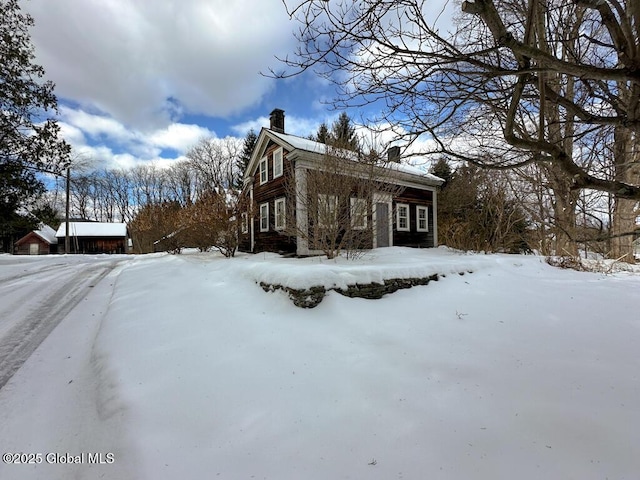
{"type": "Point", "coordinates": [382, 224]}
{"type": "Point", "coordinates": [34, 249]}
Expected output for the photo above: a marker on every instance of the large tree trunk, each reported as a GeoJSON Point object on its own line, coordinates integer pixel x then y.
{"type": "Point", "coordinates": [564, 211]}
{"type": "Point", "coordinates": [558, 126]}
{"type": "Point", "coordinates": [625, 212]}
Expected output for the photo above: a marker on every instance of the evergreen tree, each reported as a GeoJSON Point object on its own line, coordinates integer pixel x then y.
{"type": "Point", "coordinates": [48, 215]}
{"type": "Point", "coordinates": [29, 137]}
{"type": "Point", "coordinates": [322, 135]}
{"type": "Point", "coordinates": [343, 134]}
{"type": "Point", "coordinates": [245, 157]}
{"type": "Point", "coordinates": [442, 169]}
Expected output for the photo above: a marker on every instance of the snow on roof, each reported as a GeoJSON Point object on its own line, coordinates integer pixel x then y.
{"type": "Point", "coordinates": [413, 170]}
{"type": "Point", "coordinates": [93, 229]}
{"type": "Point", "coordinates": [46, 233]}
{"type": "Point", "coordinates": [308, 145]}
{"type": "Point", "coordinates": [301, 143]}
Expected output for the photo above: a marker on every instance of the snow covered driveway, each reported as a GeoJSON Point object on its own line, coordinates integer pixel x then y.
{"type": "Point", "coordinates": [187, 369]}
{"type": "Point", "coordinates": [36, 293]}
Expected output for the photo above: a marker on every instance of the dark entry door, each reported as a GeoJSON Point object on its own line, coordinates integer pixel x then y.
{"type": "Point", "coordinates": [382, 224]}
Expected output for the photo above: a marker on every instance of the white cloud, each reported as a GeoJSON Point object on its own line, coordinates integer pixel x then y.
{"type": "Point", "coordinates": [72, 134]}
{"type": "Point", "coordinates": [179, 137]}
{"type": "Point", "coordinates": [144, 62]}
{"type": "Point", "coordinates": [102, 142]}
{"type": "Point", "coordinates": [294, 125]}
{"type": "Point", "coordinates": [97, 126]}
{"type": "Point", "coordinates": [256, 124]}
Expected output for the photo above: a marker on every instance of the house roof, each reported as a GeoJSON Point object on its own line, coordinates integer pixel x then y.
{"type": "Point", "coordinates": [44, 232]}
{"type": "Point", "coordinates": [300, 143]}
{"type": "Point", "coordinates": [93, 229]}
{"type": "Point", "coordinates": [293, 143]}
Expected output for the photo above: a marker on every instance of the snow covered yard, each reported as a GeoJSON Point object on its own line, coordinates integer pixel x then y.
{"type": "Point", "coordinates": [518, 370]}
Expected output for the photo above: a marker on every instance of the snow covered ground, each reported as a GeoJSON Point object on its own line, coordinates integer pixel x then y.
{"type": "Point", "coordinates": [183, 367]}
{"type": "Point", "coordinates": [37, 293]}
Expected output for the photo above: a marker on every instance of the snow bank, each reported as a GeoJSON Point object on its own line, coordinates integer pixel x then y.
{"type": "Point", "coordinates": [374, 267]}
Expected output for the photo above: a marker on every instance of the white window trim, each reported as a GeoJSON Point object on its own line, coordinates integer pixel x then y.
{"type": "Point", "coordinates": [280, 201]}
{"type": "Point", "coordinates": [279, 154]}
{"type": "Point", "coordinates": [264, 168]}
{"type": "Point", "coordinates": [398, 208]}
{"type": "Point", "coordinates": [244, 218]}
{"type": "Point", "coordinates": [325, 199]}
{"type": "Point", "coordinates": [361, 210]}
{"type": "Point", "coordinates": [419, 209]}
{"type": "Point", "coordinates": [264, 206]}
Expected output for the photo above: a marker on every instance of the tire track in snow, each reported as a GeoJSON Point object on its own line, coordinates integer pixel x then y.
{"type": "Point", "coordinates": [27, 274]}
{"type": "Point", "coordinates": [23, 338]}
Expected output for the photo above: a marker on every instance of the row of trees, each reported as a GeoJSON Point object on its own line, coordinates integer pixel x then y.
{"type": "Point", "coordinates": [192, 202]}
{"type": "Point", "coordinates": [117, 194]}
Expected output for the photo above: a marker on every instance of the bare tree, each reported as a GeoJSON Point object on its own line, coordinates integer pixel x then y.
{"type": "Point", "coordinates": [181, 182]}
{"type": "Point", "coordinates": [336, 199]}
{"type": "Point", "coordinates": [148, 184]}
{"type": "Point", "coordinates": [212, 221]}
{"type": "Point", "coordinates": [478, 211]}
{"type": "Point", "coordinates": [81, 195]}
{"type": "Point", "coordinates": [215, 162]}
{"type": "Point", "coordinates": [158, 227]}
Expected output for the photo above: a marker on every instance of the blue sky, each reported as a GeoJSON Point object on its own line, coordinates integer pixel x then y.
{"type": "Point", "coordinates": [143, 81]}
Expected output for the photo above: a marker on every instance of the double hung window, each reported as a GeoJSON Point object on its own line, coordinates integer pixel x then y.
{"type": "Point", "coordinates": [402, 217]}
{"type": "Point", "coordinates": [264, 217]}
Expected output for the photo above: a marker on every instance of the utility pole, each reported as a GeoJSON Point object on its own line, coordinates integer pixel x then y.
{"type": "Point", "coordinates": [66, 214]}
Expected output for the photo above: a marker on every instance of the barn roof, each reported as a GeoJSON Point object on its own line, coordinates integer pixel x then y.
{"type": "Point", "coordinates": [93, 229]}
{"type": "Point", "coordinates": [46, 233]}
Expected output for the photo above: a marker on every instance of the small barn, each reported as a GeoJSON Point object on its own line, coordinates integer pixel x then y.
{"type": "Point", "coordinates": [94, 237]}
{"type": "Point", "coordinates": [42, 241]}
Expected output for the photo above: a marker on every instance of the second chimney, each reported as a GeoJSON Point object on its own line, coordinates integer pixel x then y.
{"type": "Point", "coordinates": [277, 120]}
{"type": "Point", "coordinates": [393, 154]}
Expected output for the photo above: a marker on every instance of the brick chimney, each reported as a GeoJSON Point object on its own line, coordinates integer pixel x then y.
{"type": "Point", "coordinates": [393, 154]}
{"type": "Point", "coordinates": [276, 119]}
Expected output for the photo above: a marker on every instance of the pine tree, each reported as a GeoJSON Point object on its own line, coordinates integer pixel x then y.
{"type": "Point", "coordinates": [442, 169]}
{"type": "Point", "coordinates": [245, 157]}
{"type": "Point", "coordinates": [343, 134]}
{"type": "Point", "coordinates": [323, 133]}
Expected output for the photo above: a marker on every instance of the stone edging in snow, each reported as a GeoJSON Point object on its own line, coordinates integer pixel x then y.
{"type": "Point", "coordinates": [311, 297]}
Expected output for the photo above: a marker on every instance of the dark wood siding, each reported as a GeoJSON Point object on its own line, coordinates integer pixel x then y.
{"type": "Point", "coordinates": [24, 244]}
{"type": "Point", "coordinates": [273, 240]}
{"type": "Point", "coordinates": [414, 198]}
{"type": "Point", "coordinates": [96, 245]}
{"type": "Point", "coordinates": [275, 187]}
{"type": "Point", "coordinates": [244, 240]}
